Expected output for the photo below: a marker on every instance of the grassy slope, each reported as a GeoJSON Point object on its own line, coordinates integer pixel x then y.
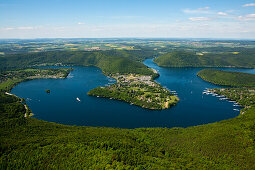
{"type": "Point", "coordinates": [228, 78]}
{"type": "Point", "coordinates": [33, 143]}
{"type": "Point", "coordinates": [109, 62]}
{"type": "Point", "coordinates": [189, 59]}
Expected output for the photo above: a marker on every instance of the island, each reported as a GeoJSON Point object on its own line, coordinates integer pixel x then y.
{"type": "Point", "coordinates": [139, 90]}
{"type": "Point", "coordinates": [47, 90]}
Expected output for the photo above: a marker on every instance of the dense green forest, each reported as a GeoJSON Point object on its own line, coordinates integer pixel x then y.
{"type": "Point", "coordinates": [244, 59]}
{"type": "Point", "coordinates": [108, 61]}
{"type": "Point", "coordinates": [227, 78]}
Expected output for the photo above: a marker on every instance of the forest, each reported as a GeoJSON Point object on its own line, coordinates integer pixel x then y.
{"type": "Point", "coordinates": [107, 61]}
{"type": "Point", "coordinates": [244, 59]}
{"type": "Point", "coordinates": [227, 78]}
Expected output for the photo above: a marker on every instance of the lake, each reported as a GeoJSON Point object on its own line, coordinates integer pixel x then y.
{"type": "Point", "coordinates": [61, 106]}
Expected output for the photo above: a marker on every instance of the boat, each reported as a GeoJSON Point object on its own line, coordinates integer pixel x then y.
{"type": "Point", "coordinates": [235, 109]}
{"type": "Point", "coordinates": [77, 98]}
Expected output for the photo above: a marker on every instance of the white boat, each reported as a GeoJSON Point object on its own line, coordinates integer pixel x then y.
{"type": "Point", "coordinates": [77, 98]}
{"type": "Point", "coordinates": [235, 109]}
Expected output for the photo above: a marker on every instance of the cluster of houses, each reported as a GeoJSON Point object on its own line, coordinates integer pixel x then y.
{"type": "Point", "coordinates": [131, 78]}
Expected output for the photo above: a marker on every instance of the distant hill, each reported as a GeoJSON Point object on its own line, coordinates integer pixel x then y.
{"type": "Point", "coordinates": [109, 62]}
{"type": "Point", "coordinates": [227, 78]}
{"type": "Point", "coordinates": [243, 59]}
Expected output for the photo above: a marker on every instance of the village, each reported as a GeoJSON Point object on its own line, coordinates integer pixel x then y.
{"type": "Point", "coordinates": [139, 90]}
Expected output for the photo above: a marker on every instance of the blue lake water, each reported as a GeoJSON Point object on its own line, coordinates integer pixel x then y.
{"type": "Point", "coordinates": [61, 105]}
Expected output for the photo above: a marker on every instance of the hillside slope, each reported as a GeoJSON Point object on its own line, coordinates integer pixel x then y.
{"type": "Point", "coordinates": [227, 78]}
{"type": "Point", "coordinates": [109, 62]}
{"type": "Point", "coordinates": [189, 59]}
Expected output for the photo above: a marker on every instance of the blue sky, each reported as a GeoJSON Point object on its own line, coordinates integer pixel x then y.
{"type": "Point", "coordinates": [127, 18]}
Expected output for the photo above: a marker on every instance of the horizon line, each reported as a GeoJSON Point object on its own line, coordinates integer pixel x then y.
{"type": "Point", "coordinates": [251, 39]}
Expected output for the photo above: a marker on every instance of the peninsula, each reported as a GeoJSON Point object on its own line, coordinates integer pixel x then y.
{"type": "Point", "coordinates": [227, 78]}
{"type": "Point", "coordinates": [139, 90]}
{"type": "Point", "coordinates": [9, 79]}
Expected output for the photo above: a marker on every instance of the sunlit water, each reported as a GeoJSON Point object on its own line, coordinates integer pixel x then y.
{"type": "Point", "coordinates": [61, 105]}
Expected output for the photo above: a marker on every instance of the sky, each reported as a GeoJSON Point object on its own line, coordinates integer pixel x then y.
{"type": "Point", "coordinates": [227, 19]}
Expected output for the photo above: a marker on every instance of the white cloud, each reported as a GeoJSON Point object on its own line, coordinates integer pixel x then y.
{"type": "Point", "coordinates": [199, 19]}
{"type": "Point", "coordinates": [203, 10]}
{"type": "Point", "coordinates": [248, 5]}
{"type": "Point", "coordinates": [8, 28]}
{"type": "Point", "coordinates": [249, 17]}
{"type": "Point", "coordinates": [181, 29]}
{"type": "Point", "coordinates": [25, 28]}
{"type": "Point", "coordinates": [80, 23]}
{"type": "Point", "coordinates": [222, 13]}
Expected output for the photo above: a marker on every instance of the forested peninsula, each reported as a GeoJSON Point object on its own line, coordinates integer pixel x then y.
{"type": "Point", "coordinates": [227, 78]}
{"type": "Point", "coordinates": [8, 79]}
{"type": "Point", "coordinates": [139, 90]}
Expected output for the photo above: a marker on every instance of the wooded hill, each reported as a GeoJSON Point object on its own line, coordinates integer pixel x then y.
{"type": "Point", "coordinates": [227, 78]}
{"type": "Point", "coordinates": [108, 61]}
{"type": "Point", "coordinates": [244, 59]}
